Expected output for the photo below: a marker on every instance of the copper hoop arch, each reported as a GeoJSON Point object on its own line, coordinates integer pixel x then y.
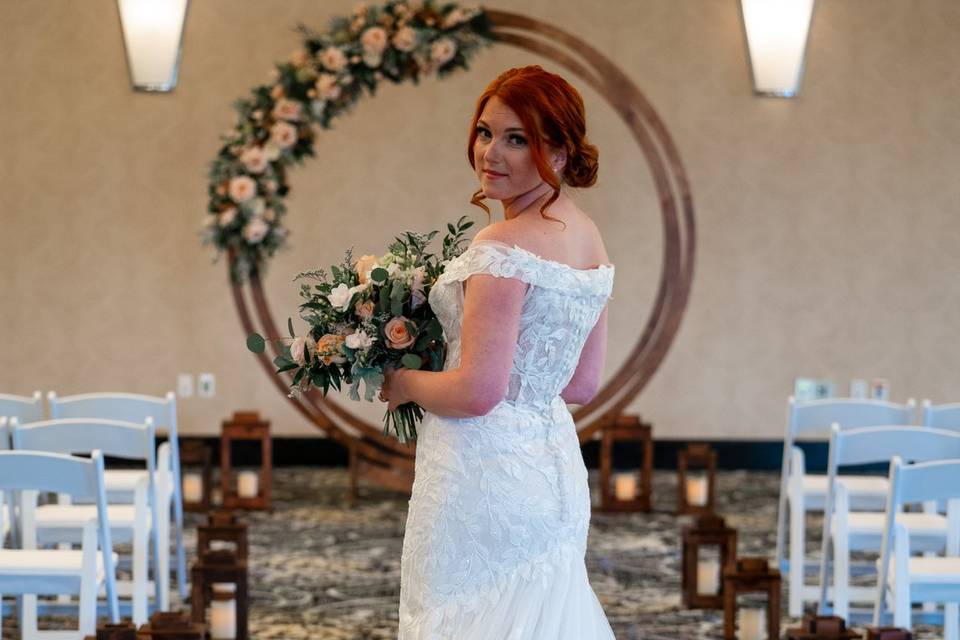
{"type": "Point", "coordinates": [395, 460]}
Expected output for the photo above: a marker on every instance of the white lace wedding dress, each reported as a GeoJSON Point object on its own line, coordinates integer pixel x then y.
{"type": "Point", "coordinates": [497, 525]}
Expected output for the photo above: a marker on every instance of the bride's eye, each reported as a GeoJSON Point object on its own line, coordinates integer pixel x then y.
{"type": "Point", "coordinates": [518, 140]}
{"type": "Point", "coordinates": [483, 132]}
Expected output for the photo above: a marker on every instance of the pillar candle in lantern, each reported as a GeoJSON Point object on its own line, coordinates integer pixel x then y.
{"type": "Point", "coordinates": [752, 624]}
{"type": "Point", "coordinates": [697, 492]}
{"type": "Point", "coordinates": [625, 486]}
{"type": "Point", "coordinates": [223, 612]}
{"type": "Point", "coordinates": [248, 484]}
{"type": "Point", "coordinates": [192, 487]}
{"type": "Point", "coordinates": [708, 577]}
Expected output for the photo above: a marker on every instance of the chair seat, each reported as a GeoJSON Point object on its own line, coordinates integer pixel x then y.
{"type": "Point", "coordinates": [41, 562]}
{"type": "Point", "coordinates": [68, 516]}
{"type": "Point", "coordinates": [122, 479]}
{"type": "Point", "coordinates": [863, 486]}
{"type": "Point", "coordinates": [942, 571]}
{"type": "Point", "coordinates": [921, 524]}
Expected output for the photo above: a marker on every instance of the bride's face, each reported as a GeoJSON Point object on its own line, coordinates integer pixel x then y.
{"type": "Point", "coordinates": [501, 153]}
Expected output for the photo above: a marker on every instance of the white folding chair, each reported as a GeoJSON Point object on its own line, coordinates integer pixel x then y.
{"type": "Point", "coordinates": [941, 416]}
{"type": "Point", "coordinates": [130, 407]}
{"type": "Point", "coordinates": [846, 531]}
{"type": "Point", "coordinates": [23, 408]}
{"type": "Point", "coordinates": [61, 523]}
{"type": "Point", "coordinates": [920, 579]}
{"type": "Point", "coordinates": [801, 492]}
{"type": "Point", "coordinates": [30, 571]}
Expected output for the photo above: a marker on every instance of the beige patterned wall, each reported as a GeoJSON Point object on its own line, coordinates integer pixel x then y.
{"type": "Point", "coordinates": [829, 225]}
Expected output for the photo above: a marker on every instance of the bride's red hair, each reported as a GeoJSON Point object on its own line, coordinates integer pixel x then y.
{"type": "Point", "coordinates": [552, 113]}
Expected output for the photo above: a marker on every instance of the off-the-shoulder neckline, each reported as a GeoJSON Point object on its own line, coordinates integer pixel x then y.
{"type": "Point", "coordinates": [600, 268]}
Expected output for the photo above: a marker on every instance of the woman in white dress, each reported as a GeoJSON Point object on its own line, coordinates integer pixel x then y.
{"type": "Point", "coordinates": [497, 525]}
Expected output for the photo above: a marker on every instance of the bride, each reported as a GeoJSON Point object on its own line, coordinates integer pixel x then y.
{"type": "Point", "coordinates": [497, 525]}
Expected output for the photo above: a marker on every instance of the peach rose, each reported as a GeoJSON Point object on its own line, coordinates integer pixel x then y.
{"type": "Point", "coordinates": [442, 51]}
{"type": "Point", "coordinates": [327, 86]}
{"type": "Point", "coordinates": [374, 40]}
{"type": "Point", "coordinates": [283, 134]}
{"type": "Point", "coordinates": [287, 109]}
{"type": "Point", "coordinates": [254, 159]}
{"type": "Point", "coordinates": [227, 216]}
{"type": "Point", "coordinates": [242, 188]}
{"type": "Point", "coordinates": [255, 230]}
{"type": "Point", "coordinates": [297, 349]}
{"type": "Point", "coordinates": [405, 39]}
{"type": "Point", "coordinates": [398, 337]}
{"type": "Point", "coordinates": [299, 57]}
{"type": "Point", "coordinates": [364, 309]}
{"type": "Point", "coordinates": [332, 58]}
{"type": "Point", "coordinates": [276, 92]}
{"type": "Point", "coordinates": [363, 266]}
{"type": "Point", "coordinates": [329, 349]}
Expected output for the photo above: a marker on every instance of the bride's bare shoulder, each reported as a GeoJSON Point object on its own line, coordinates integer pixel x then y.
{"type": "Point", "coordinates": [579, 243]}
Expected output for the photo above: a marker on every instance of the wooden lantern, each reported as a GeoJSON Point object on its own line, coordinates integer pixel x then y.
{"type": "Point", "coordinates": [217, 567]}
{"type": "Point", "coordinates": [888, 633]}
{"type": "Point", "coordinates": [245, 425]}
{"type": "Point", "coordinates": [626, 428]}
{"type": "Point", "coordinates": [171, 625]}
{"type": "Point", "coordinates": [196, 452]}
{"type": "Point", "coordinates": [119, 631]}
{"type": "Point", "coordinates": [696, 456]}
{"type": "Point", "coordinates": [751, 575]}
{"type": "Point", "coordinates": [822, 628]}
{"type": "Point", "coordinates": [708, 530]}
{"type": "Point", "coordinates": [223, 526]}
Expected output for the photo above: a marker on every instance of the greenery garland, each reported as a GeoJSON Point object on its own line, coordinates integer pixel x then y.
{"type": "Point", "coordinates": [400, 40]}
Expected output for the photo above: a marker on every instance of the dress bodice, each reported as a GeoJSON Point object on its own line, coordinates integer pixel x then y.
{"type": "Point", "coordinates": [561, 306]}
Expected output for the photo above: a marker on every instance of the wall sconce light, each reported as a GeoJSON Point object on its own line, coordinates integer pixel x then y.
{"type": "Point", "coordinates": [152, 37]}
{"type": "Point", "coordinates": [776, 40]}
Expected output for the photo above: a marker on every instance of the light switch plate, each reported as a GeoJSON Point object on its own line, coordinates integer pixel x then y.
{"type": "Point", "coordinates": [185, 385]}
{"type": "Point", "coordinates": [206, 385]}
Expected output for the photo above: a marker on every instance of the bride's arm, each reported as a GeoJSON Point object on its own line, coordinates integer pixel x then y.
{"type": "Point", "coordinates": [488, 339]}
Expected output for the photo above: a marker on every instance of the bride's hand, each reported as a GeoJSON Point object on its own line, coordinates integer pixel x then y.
{"type": "Point", "coordinates": [393, 392]}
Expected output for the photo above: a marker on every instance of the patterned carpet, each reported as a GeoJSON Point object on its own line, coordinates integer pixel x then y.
{"type": "Point", "coordinates": [322, 571]}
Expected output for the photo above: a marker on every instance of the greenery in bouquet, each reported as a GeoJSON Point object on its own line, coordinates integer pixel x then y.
{"type": "Point", "coordinates": [368, 314]}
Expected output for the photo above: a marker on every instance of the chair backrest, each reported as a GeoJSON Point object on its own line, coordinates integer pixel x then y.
{"type": "Point", "coordinates": [880, 444]}
{"type": "Point", "coordinates": [65, 474]}
{"type": "Point", "coordinates": [941, 416]}
{"type": "Point", "coordinates": [4, 433]}
{"type": "Point", "coordinates": [850, 413]}
{"type": "Point", "coordinates": [83, 435]}
{"type": "Point", "coordinates": [920, 482]}
{"type": "Point", "coordinates": [23, 408]}
{"type": "Point", "coordinates": [126, 407]}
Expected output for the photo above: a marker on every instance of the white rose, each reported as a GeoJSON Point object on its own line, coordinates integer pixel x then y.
{"type": "Point", "coordinates": [254, 159]}
{"type": "Point", "coordinates": [341, 294]}
{"type": "Point", "coordinates": [242, 188]}
{"type": "Point", "coordinates": [393, 268]}
{"type": "Point", "coordinates": [372, 60]}
{"type": "Point", "coordinates": [255, 230]}
{"type": "Point", "coordinates": [359, 340]}
{"type": "Point", "coordinates": [272, 151]}
{"type": "Point", "coordinates": [332, 58]}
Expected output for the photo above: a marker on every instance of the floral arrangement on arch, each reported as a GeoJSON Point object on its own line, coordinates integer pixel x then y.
{"type": "Point", "coordinates": [400, 40]}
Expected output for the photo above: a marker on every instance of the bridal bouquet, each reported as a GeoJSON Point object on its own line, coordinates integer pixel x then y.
{"type": "Point", "coordinates": [370, 314]}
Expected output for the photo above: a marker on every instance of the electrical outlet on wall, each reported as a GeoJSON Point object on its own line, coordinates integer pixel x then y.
{"type": "Point", "coordinates": [206, 385]}
{"type": "Point", "coordinates": [185, 385]}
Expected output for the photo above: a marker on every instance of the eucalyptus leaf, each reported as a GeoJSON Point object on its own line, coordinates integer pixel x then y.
{"type": "Point", "coordinates": [256, 343]}
{"type": "Point", "coordinates": [411, 361]}
{"type": "Point", "coordinates": [379, 275]}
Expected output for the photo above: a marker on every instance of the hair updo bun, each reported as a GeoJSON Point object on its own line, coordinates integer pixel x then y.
{"type": "Point", "coordinates": [552, 113]}
{"type": "Point", "coordinates": [581, 169]}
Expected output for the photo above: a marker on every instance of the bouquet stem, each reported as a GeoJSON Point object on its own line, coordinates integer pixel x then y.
{"type": "Point", "coordinates": [404, 421]}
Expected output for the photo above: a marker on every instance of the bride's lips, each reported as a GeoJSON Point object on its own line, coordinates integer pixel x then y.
{"type": "Point", "coordinates": [493, 174]}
